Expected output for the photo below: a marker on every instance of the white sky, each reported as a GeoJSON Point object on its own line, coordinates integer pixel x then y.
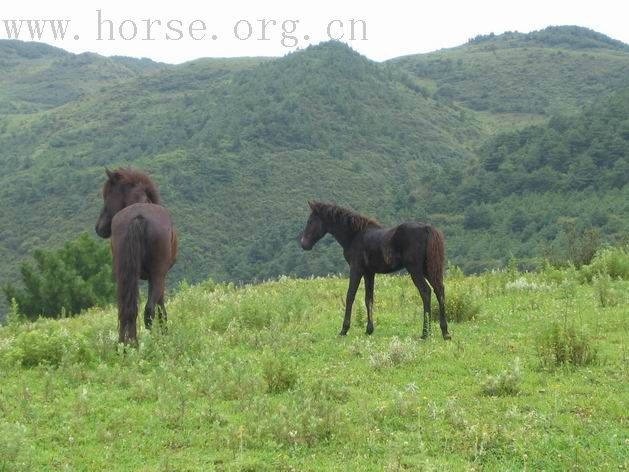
{"type": "Point", "coordinates": [394, 28]}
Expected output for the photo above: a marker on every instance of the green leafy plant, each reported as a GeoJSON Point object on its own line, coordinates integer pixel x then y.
{"type": "Point", "coordinates": [64, 281]}
{"type": "Point", "coordinates": [563, 345]}
{"type": "Point", "coordinates": [610, 261]}
{"type": "Point", "coordinates": [278, 373]}
{"type": "Point", "coordinates": [461, 304]}
{"type": "Point", "coordinates": [605, 293]}
{"type": "Point", "coordinates": [505, 383]}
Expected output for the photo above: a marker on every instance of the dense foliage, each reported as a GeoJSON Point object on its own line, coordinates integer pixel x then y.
{"type": "Point", "coordinates": [581, 152]}
{"type": "Point", "coordinates": [558, 69]}
{"type": "Point", "coordinates": [238, 146]}
{"type": "Point", "coordinates": [64, 281]}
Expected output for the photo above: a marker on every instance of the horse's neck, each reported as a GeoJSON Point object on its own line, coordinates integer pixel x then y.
{"type": "Point", "coordinates": [343, 235]}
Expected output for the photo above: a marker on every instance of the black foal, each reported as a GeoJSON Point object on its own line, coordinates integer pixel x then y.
{"type": "Point", "coordinates": [370, 249]}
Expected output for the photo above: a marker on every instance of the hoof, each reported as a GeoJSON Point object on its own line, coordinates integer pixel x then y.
{"type": "Point", "coordinates": [343, 333]}
{"type": "Point", "coordinates": [369, 330]}
{"type": "Point", "coordinates": [447, 337]}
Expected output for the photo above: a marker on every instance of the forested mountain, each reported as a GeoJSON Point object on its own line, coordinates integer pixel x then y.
{"type": "Point", "coordinates": [531, 190]}
{"type": "Point", "coordinates": [556, 70]}
{"type": "Point", "coordinates": [38, 77]}
{"type": "Point", "coordinates": [237, 147]}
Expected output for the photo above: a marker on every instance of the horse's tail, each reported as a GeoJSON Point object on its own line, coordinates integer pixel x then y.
{"type": "Point", "coordinates": [435, 257]}
{"type": "Point", "coordinates": [128, 275]}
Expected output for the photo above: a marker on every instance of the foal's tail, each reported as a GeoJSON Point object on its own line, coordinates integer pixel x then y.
{"type": "Point", "coordinates": [128, 275]}
{"type": "Point", "coordinates": [435, 257]}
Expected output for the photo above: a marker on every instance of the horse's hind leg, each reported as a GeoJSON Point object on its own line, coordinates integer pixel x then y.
{"type": "Point", "coordinates": [156, 293]}
{"type": "Point", "coordinates": [443, 323]}
{"type": "Point", "coordinates": [149, 309]}
{"type": "Point", "coordinates": [127, 330]}
{"type": "Point", "coordinates": [160, 287]}
{"type": "Point", "coordinates": [425, 292]}
{"type": "Point", "coordinates": [161, 311]}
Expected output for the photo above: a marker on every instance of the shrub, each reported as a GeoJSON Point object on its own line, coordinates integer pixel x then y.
{"type": "Point", "coordinates": [522, 284]}
{"type": "Point", "coordinates": [299, 419]}
{"type": "Point", "coordinates": [397, 352]}
{"type": "Point", "coordinates": [461, 304]}
{"type": "Point", "coordinates": [278, 373]}
{"type": "Point", "coordinates": [46, 345]}
{"type": "Point", "coordinates": [66, 280]}
{"type": "Point", "coordinates": [604, 292]}
{"type": "Point", "coordinates": [13, 447]}
{"type": "Point", "coordinates": [565, 346]}
{"type": "Point", "coordinates": [609, 261]}
{"type": "Point", "coordinates": [505, 383]}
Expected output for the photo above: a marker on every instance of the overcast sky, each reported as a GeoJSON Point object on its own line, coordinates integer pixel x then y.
{"type": "Point", "coordinates": [227, 29]}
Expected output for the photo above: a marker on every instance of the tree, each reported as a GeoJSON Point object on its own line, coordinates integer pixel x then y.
{"type": "Point", "coordinates": [70, 279]}
{"type": "Point", "coordinates": [477, 217]}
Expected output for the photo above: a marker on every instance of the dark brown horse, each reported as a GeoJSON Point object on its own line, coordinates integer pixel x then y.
{"type": "Point", "coordinates": [370, 249]}
{"type": "Point", "coordinates": [143, 244]}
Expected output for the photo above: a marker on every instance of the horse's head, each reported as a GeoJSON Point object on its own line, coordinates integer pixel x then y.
{"type": "Point", "coordinates": [123, 188]}
{"type": "Point", "coordinates": [315, 229]}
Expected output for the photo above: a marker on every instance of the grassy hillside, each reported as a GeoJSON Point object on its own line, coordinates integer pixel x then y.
{"type": "Point", "coordinates": [38, 77]}
{"type": "Point", "coordinates": [237, 146]}
{"type": "Point", "coordinates": [556, 70]}
{"type": "Point", "coordinates": [255, 378]}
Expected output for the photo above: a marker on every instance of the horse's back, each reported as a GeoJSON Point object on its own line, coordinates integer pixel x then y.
{"type": "Point", "coordinates": [160, 238]}
{"type": "Point", "coordinates": [410, 240]}
{"type": "Point", "coordinates": [411, 230]}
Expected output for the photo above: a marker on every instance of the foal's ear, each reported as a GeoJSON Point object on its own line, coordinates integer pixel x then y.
{"type": "Point", "coordinates": [311, 204]}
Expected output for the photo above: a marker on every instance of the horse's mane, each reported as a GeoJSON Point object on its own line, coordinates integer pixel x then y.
{"type": "Point", "coordinates": [335, 214]}
{"type": "Point", "coordinates": [135, 178]}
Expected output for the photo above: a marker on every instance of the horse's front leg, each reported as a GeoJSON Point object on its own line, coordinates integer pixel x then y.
{"type": "Point", "coordinates": [354, 283]}
{"type": "Point", "coordinates": [369, 282]}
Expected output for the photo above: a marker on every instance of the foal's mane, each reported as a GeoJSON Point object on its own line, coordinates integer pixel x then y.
{"type": "Point", "coordinates": [332, 213]}
{"type": "Point", "coordinates": [134, 178]}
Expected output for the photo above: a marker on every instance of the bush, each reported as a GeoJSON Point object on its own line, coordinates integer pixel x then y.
{"type": "Point", "coordinates": [604, 292]}
{"type": "Point", "coordinates": [505, 383]}
{"type": "Point", "coordinates": [46, 345]}
{"type": "Point", "coordinates": [565, 346]}
{"type": "Point", "coordinates": [397, 352]}
{"type": "Point", "coordinates": [68, 280]}
{"type": "Point", "coordinates": [461, 304]}
{"type": "Point", "coordinates": [299, 419]}
{"type": "Point", "coordinates": [613, 262]}
{"type": "Point", "coordinates": [278, 373]}
{"type": "Point", "coordinates": [13, 447]}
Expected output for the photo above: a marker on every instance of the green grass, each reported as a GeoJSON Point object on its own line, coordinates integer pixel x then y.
{"type": "Point", "coordinates": [255, 378]}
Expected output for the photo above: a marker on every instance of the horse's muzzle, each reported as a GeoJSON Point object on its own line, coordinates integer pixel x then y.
{"type": "Point", "coordinates": [305, 244]}
{"type": "Point", "coordinates": [103, 231]}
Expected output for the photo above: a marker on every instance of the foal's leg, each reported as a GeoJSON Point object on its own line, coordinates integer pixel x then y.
{"type": "Point", "coordinates": [369, 282]}
{"type": "Point", "coordinates": [425, 292]}
{"type": "Point", "coordinates": [354, 282]}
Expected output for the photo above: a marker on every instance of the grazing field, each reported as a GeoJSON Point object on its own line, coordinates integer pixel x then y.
{"type": "Point", "coordinates": [256, 378]}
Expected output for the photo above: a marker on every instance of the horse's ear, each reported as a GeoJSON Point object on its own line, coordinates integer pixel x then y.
{"type": "Point", "coordinates": [113, 176]}
{"type": "Point", "coordinates": [311, 204]}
